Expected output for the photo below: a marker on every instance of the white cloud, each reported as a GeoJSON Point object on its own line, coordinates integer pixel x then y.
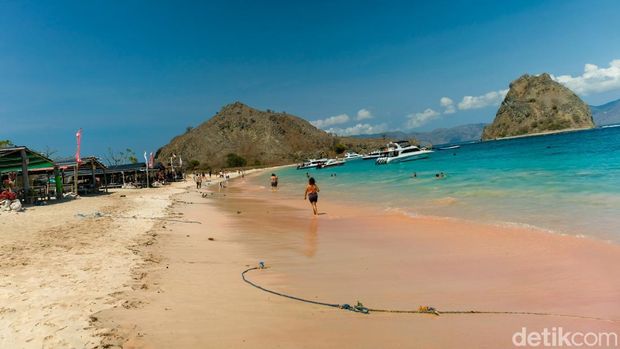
{"type": "Point", "coordinates": [330, 121]}
{"type": "Point", "coordinates": [476, 102]}
{"type": "Point", "coordinates": [359, 129]}
{"type": "Point", "coordinates": [448, 105]}
{"type": "Point", "coordinates": [593, 79]}
{"type": "Point", "coordinates": [445, 102]}
{"type": "Point", "coordinates": [421, 118]}
{"type": "Point", "coordinates": [364, 114]}
{"type": "Point", "coordinates": [450, 110]}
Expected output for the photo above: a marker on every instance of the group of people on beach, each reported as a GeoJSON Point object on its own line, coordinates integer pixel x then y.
{"type": "Point", "coordinates": [199, 177]}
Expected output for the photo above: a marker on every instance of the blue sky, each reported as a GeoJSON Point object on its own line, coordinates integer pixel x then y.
{"type": "Point", "coordinates": [136, 73]}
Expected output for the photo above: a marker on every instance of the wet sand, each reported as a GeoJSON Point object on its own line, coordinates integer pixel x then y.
{"type": "Point", "coordinates": [194, 296]}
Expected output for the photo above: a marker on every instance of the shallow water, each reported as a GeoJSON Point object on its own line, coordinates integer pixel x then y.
{"type": "Point", "coordinates": [565, 183]}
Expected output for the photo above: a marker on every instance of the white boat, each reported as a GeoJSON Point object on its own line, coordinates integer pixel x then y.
{"type": "Point", "coordinates": [372, 155]}
{"type": "Point", "coordinates": [376, 154]}
{"type": "Point", "coordinates": [402, 151]}
{"type": "Point", "coordinates": [352, 156]}
{"type": "Point", "coordinates": [311, 163]}
{"type": "Point", "coordinates": [450, 147]}
{"type": "Point", "coordinates": [331, 163]}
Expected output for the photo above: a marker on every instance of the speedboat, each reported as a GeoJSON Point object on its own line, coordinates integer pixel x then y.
{"type": "Point", "coordinates": [450, 147]}
{"type": "Point", "coordinates": [311, 163]}
{"type": "Point", "coordinates": [352, 156]}
{"type": "Point", "coordinates": [402, 151]}
{"type": "Point", "coordinates": [331, 163]}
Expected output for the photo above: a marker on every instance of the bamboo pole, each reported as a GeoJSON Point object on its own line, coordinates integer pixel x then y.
{"type": "Point", "coordinates": [25, 178]}
{"type": "Point", "coordinates": [75, 177]}
{"type": "Point", "coordinates": [58, 179]}
{"type": "Point", "coordinates": [105, 179]}
{"type": "Point", "coordinates": [92, 171]}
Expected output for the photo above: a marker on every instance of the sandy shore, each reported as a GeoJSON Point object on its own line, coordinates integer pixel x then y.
{"type": "Point", "coordinates": [193, 296]}
{"type": "Point", "coordinates": [63, 262]}
{"type": "Point", "coordinates": [160, 268]}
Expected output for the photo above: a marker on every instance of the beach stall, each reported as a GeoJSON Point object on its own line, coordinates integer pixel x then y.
{"type": "Point", "coordinates": [87, 177]}
{"type": "Point", "coordinates": [126, 175]}
{"type": "Point", "coordinates": [16, 166]}
{"type": "Point", "coordinates": [134, 175]}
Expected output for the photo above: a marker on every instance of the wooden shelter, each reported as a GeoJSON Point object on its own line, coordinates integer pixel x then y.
{"type": "Point", "coordinates": [134, 174]}
{"type": "Point", "coordinates": [83, 176]}
{"type": "Point", "coordinates": [21, 160]}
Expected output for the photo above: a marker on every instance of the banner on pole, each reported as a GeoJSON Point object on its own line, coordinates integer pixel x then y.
{"type": "Point", "coordinates": [78, 136]}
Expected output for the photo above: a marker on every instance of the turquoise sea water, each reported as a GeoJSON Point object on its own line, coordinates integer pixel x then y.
{"type": "Point", "coordinates": [566, 183]}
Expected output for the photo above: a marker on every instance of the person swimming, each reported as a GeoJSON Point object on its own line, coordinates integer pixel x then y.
{"type": "Point", "coordinates": [312, 193]}
{"type": "Point", "coordinates": [274, 182]}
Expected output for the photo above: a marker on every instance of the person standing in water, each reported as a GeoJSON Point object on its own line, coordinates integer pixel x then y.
{"type": "Point", "coordinates": [312, 193]}
{"type": "Point", "coordinates": [274, 182]}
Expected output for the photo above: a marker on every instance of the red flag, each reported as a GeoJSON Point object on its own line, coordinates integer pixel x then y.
{"type": "Point", "coordinates": [78, 136]}
{"type": "Point", "coordinates": [151, 160]}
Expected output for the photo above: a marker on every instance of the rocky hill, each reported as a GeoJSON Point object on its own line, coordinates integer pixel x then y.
{"type": "Point", "coordinates": [257, 138]}
{"type": "Point", "coordinates": [537, 104]}
{"type": "Point", "coordinates": [606, 114]}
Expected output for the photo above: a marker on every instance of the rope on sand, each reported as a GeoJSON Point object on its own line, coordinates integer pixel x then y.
{"type": "Point", "coordinates": [333, 305]}
{"type": "Point", "coordinates": [360, 308]}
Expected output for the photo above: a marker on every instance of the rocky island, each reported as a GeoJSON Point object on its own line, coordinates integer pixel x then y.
{"type": "Point", "coordinates": [537, 104]}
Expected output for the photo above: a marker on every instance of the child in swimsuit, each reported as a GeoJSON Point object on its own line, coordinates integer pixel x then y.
{"type": "Point", "coordinates": [312, 193]}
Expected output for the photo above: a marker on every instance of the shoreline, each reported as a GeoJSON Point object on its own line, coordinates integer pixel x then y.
{"type": "Point", "coordinates": [371, 208]}
{"type": "Point", "coordinates": [544, 133]}
{"type": "Point", "coordinates": [330, 256]}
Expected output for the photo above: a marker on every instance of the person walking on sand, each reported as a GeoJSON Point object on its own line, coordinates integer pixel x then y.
{"type": "Point", "coordinates": [312, 193]}
{"type": "Point", "coordinates": [198, 181]}
{"type": "Point", "coordinates": [274, 182]}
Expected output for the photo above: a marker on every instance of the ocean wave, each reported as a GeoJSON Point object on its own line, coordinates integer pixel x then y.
{"type": "Point", "coordinates": [445, 201]}
{"type": "Point", "coordinates": [528, 226]}
{"type": "Point", "coordinates": [401, 211]}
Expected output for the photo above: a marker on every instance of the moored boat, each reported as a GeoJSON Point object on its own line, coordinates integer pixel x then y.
{"type": "Point", "coordinates": [402, 151]}
{"type": "Point", "coordinates": [450, 147]}
{"type": "Point", "coordinates": [311, 163]}
{"type": "Point", "coordinates": [352, 156]}
{"type": "Point", "coordinates": [331, 163]}
{"type": "Point", "coordinates": [376, 154]}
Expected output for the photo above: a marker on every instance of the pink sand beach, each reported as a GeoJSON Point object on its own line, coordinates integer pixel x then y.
{"type": "Point", "coordinates": [192, 294]}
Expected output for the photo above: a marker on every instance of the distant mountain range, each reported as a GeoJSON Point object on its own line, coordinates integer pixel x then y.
{"type": "Point", "coordinates": [457, 134]}
{"type": "Point", "coordinates": [606, 114]}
